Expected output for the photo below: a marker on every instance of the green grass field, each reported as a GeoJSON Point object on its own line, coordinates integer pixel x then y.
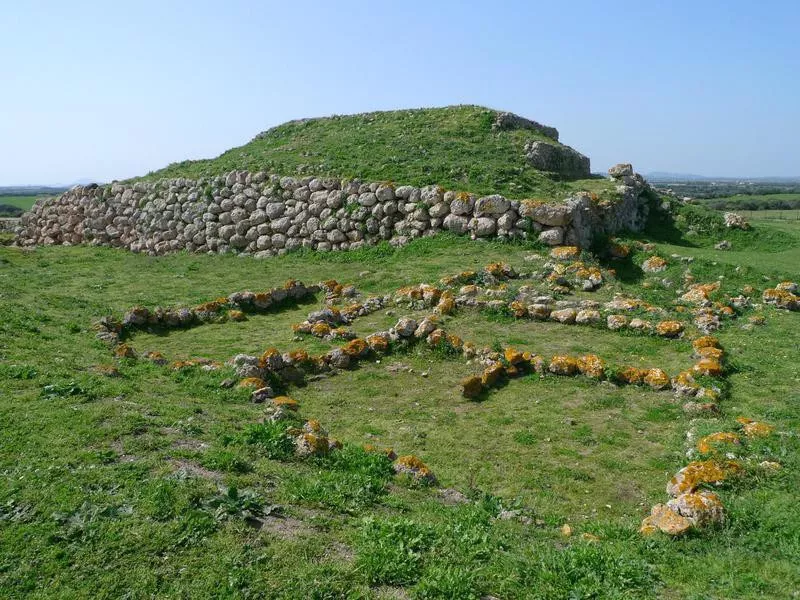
{"type": "Point", "coordinates": [23, 202]}
{"type": "Point", "coordinates": [143, 485]}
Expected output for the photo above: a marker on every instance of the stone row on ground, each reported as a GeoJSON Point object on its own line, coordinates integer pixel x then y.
{"type": "Point", "coordinates": [264, 215]}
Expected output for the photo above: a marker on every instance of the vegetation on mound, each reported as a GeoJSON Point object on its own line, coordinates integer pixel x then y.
{"type": "Point", "coordinates": [454, 147]}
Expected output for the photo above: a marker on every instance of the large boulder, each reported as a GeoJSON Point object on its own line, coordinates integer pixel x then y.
{"type": "Point", "coordinates": [557, 159]}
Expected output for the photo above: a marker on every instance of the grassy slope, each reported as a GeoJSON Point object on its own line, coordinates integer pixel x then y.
{"type": "Point", "coordinates": [453, 147]}
{"type": "Point", "coordinates": [91, 506]}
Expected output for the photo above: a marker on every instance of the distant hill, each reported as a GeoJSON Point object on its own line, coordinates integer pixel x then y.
{"type": "Point", "coordinates": [668, 177]}
{"type": "Point", "coordinates": [468, 148]}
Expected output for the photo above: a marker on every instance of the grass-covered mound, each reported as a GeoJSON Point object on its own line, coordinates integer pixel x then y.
{"type": "Point", "coordinates": [455, 147]}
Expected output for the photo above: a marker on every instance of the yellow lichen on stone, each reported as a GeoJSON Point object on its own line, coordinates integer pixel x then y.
{"type": "Point", "coordinates": [255, 383]}
{"type": "Point", "coordinates": [124, 351]}
{"type": "Point", "coordinates": [664, 519]}
{"type": "Point", "coordinates": [631, 375]}
{"type": "Point", "coordinates": [355, 348]}
{"type": "Point", "coordinates": [699, 472]}
{"type": "Point", "coordinates": [592, 366]}
{"type": "Point", "coordinates": [755, 428]}
{"type": "Point", "coordinates": [320, 329]}
{"type": "Point", "coordinates": [669, 328]}
{"type": "Point", "coordinates": [378, 342]}
{"type": "Point", "coordinates": [565, 252]}
{"type": "Point", "coordinates": [285, 402]}
{"type": "Point", "coordinates": [708, 444]}
{"type": "Point", "coordinates": [236, 315]}
{"type": "Point", "coordinates": [413, 466]}
{"type": "Point", "coordinates": [492, 374]}
{"type": "Point", "coordinates": [706, 341]}
{"type": "Point", "coordinates": [708, 366]}
{"type": "Point", "coordinates": [518, 309]}
{"type": "Point", "coordinates": [471, 387]}
{"type": "Point", "coordinates": [513, 357]}
{"type": "Point", "coordinates": [563, 365]}
{"type": "Point", "coordinates": [657, 379]}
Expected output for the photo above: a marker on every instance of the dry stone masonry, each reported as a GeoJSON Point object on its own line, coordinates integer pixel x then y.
{"type": "Point", "coordinates": [264, 215]}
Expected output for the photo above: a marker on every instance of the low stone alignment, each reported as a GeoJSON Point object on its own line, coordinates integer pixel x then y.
{"type": "Point", "coordinates": [700, 387]}
{"type": "Point", "coordinates": [264, 215]}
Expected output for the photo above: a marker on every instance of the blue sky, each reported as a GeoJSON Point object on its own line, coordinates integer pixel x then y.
{"type": "Point", "coordinates": [108, 90]}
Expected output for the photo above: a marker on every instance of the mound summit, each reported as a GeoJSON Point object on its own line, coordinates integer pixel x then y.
{"type": "Point", "coordinates": [468, 148]}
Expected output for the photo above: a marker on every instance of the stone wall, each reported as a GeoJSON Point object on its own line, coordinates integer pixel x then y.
{"type": "Point", "coordinates": [264, 215]}
{"type": "Point", "coordinates": [9, 225]}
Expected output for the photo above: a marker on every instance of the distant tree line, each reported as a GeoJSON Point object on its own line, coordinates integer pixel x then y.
{"type": "Point", "coordinates": [752, 203]}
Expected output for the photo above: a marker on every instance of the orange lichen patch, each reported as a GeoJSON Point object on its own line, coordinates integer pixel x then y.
{"type": "Point", "coordinates": [757, 319]}
{"type": "Point", "coordinates": [193, 362]}
{"type": "Point", "coordinates": [781, 298]}
{"type": "Point", "coordinates": [518, 309]}
{"type": "Point", "coordinates": [699, 293]}
{"type": "Point", "coordinates": [701, 472]}
{"type": "Point", "coordinates": [298, 356]}
{"type": "Point", "coordinates": [311, 444]}
{"type": "Point", "coordinates": [436, 337]}
{"type": "Point", "coordinates": [706, 341]}
{"type": "Point", "coordinates": [106, 370]}
{"type": "Point", "coordinates": [513, 371]}
{"type": "Point", "coordinates": [285, 402]}
{"type": "Point", "coordinates": [413, 466]}
{"type": "Point", "coordinates": [565, 253]}
{"type": "Point", "coordinates": [708, 366]}
{"type": "Point", "coordinates": [446, 304]}
{"type": "Point", "coordinates": [255, 383]}
{"type": "Point", "coordinates": [387, 452]}
{"type": "Point", "coordinates": [378, 342]}
{"type": "Point", "coordinates": [669, 328]}
{"type": "Point", "coordinates": [708, 393]}
{"type": "Point", "coordinates": [664, 519]}
{"type": "Point", "coordinates": [269, 356]}
{"type": "Point", "coordinates": [124, 351]}
{"type": "Point", "coordinates": [320, 329]}
{"type": "Point", "coordinates": [657, 379]}
{"type": "Point", "coordinates": [631, 375]}
{"type": "Point", "coordinates": [492, 374]}
{"type": "Point", "coordinates": [701, 508]}
{"type": "Point", "coordinates": [755, 428]}
{"type": "Point", "coordinates": [709, 443]}
{"type": "Point", "coordinates": [471, 387]}
{"type": "Point", "coordinates": [498, 269]}
{"type": "Point", "coordinates": [213, 306]}
{"type": "Point", "coordinates": [709, 353]}
{"type": "Point", "coordinates": [563, 365]}
{"type": "Point", "coordinates": [237, 315]}
{"type": "Point", "coordinates": [352, 310]}
{"type": "Point", "coordinates": [355, 348]}
{"type": "Point", "coordinates": [455, 341]}
{"type": "Point", "coordinates": [616, 322]}
{"type": "Point", "coordinates": [513, 357]}
{"type": "Point", "coordinates": [654, 264]}
{"type": "Point", "coordinates": [684, 383]}
{"type": "Point", "coordinates": [155, 357]}
{"type": "Point", "coordinates": [412, 292]}
{"type": "Point", "coordinates": [538, 364]}
{"type": "Point", "coordinates": [592, 366]}
{"type": "Point", "coordinates": [262, 299]}
{"type": "Point", "coordinates": [304, 327]}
